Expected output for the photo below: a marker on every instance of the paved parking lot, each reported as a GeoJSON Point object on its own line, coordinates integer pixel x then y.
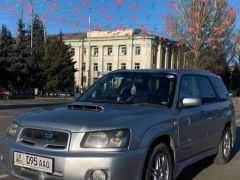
{"type": "Point", "coordinates": [199, 171]}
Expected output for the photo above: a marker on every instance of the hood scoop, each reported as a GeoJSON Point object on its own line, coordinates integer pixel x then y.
{"type": "Point", "coordinates": [85, 107]}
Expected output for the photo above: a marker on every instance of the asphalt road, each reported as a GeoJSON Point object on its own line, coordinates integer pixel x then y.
{"type": "Point", "coordinates": [202, 170]}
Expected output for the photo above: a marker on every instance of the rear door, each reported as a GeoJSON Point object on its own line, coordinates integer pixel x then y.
{"type": "Point", "coordinates": [224, 109]}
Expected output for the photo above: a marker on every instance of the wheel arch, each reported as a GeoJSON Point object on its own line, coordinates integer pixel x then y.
{"type": "Point", "coordinates": [232, 126]}
{"type": "Point", "coordinates": [165, 139]}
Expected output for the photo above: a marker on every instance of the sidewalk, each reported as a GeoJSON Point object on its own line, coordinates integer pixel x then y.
{"type": "Point", "coordinates": [236, 102]}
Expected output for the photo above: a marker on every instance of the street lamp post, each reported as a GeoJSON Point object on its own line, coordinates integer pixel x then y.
{"type": "Point", "coordinates": [90, 62]}
{"type": "Point", "coordinates": [185, 60]}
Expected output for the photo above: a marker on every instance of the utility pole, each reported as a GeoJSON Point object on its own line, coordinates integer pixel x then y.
{"type": "Point", "coordinates": [82, 60]}
{"type": "Point", "coordinates": [89, 44]}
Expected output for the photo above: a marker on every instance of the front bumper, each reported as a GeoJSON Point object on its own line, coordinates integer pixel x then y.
{"type": "Point", "coordinates": [125, 165]}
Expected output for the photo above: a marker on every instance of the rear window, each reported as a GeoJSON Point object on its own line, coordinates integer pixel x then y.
{"type": "Point", "coordinates": [221, 89]}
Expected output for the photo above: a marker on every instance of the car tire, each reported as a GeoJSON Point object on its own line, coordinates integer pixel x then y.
{"type": "Point", "coordinates": [158, 164]}
{"type": "Point", "coordinates": [224, 148]}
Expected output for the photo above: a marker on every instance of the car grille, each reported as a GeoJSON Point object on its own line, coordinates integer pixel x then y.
{"type": "Point", "coordinates": [47, 139]}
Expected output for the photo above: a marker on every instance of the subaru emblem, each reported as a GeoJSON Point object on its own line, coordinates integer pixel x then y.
{"type": "Point", "coordinates": [48, 135]}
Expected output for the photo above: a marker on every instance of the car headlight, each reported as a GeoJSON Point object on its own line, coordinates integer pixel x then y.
{"type": "Point", "coordinates": [12, 129]}
{"type": "Point", "coordinates": [106, 139]}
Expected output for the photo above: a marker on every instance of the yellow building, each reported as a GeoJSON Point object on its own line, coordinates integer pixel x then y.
{"type": "Point", "coordinates": [118, 49]}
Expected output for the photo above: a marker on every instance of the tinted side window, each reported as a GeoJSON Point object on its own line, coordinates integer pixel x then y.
{"type": "Point", "coordinates": [221, 89]}
{"type": "Point", "coordinates": [189, 87]}
{"type": "Point", "coordinates": [206, 90]}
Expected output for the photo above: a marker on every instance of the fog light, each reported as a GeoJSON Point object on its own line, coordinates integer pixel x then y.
{"type": "Point", "coordinates": [99, 175]}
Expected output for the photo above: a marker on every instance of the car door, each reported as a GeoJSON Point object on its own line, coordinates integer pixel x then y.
{"type": "Point", "coordinates": [211, 111]}
{"type": "Point", "coordinates": [224, 111]}
{"type": "Point", "coordinates": [192, 126]}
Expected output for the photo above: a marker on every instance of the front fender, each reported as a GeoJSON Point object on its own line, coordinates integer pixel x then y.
{"type": "Point", "coordinates": [158, 130]}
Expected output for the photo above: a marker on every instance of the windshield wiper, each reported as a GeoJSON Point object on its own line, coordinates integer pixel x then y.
{"type": "Point", "coordinates": [106, 101]}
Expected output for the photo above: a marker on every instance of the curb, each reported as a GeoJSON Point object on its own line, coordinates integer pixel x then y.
{"type": "Point", "coordinates": [4, 107]}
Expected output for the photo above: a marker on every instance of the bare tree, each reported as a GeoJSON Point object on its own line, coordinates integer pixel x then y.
{"type": "Point", "coordinates": [205, 27]}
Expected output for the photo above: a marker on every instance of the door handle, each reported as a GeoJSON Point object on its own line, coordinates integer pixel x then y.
{"type": "Point", "coordinates": [206, 115]}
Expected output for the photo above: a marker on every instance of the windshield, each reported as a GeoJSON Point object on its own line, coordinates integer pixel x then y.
{"type": "Point", "coordinates": [133, 88]}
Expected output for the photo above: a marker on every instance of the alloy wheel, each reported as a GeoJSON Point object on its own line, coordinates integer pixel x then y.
{"type": "Point", "coordinates": [159, 168]}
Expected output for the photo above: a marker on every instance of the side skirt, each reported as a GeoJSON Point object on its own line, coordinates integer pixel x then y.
{"type": "Point", "coordinates": [183, 164]}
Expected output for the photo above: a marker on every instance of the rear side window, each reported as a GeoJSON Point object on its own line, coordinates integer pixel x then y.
{"type": "Point", "coordinates": [206, 90]}
{"type": "Point", "coordinates": [221, 89]}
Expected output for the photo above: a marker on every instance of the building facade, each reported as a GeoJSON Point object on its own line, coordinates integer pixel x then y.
{"type": "Point", "coordinates": [99, 52]}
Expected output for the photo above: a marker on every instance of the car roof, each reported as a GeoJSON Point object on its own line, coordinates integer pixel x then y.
{"type": "Point", "coordinates": [178, 72]}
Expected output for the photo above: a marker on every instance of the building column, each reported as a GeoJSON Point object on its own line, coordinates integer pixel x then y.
{"type": "Point", "coordinates": [172, 59]}
{"type": "Point", "coordinates": [159, 57]}
{"type": "Point", "coordinates": [129, 56]}
{"type": "Point", "coordinates": [115, 62]}
{"type": "Point", "coordinates": [166, 58]}
{"type": "Point", "coordinates": [100, 59]}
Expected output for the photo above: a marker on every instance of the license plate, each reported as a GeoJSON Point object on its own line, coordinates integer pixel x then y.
{"type": "Point", "coordinates": [33, 162]}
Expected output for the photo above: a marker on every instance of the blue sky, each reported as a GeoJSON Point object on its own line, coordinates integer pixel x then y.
{"type": "Point", "coordinates": [68, 15]}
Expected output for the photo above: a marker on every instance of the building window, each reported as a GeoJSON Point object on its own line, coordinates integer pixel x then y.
{"type": "Point", "coordinates": [109, 66]}
{"type": "Point", "coordinates": [109, 51]}
{"type": "Point", "coordinates": [84, 67]}
{"type": "Point", "coordinates": [95, 67]}
{"type": "Point", "coordinates": [137, 66]}
{"type": "Point", "coordinates": [84, 50]}
{"type": "Point", "coordinates": [94, 51]}
{"type": "Point", "coordinates": [123, 66]}
{"type": "Point", "coordinates": [123, 50]}
{"type": "Point", "coordinates": [138, 50]}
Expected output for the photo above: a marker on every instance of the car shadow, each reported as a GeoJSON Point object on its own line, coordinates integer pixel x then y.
{"type": "Point", "coordinates": [193, 170]}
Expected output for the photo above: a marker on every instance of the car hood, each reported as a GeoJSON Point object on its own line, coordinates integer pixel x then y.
{"type": "Point", "coordinates": [79, 120]}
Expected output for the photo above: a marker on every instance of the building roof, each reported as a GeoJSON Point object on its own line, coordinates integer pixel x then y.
{"type": "Point", "coordinates": [71, 35]}
{"type": "Point", "coordinates": [115, 33]}
{"type": "Point", "coordinates": [104, 34]}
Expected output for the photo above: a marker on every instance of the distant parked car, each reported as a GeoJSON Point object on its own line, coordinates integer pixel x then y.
{"type": "Point", "coordinates": [4, 94]}
{"type": "Point", "coordinates": [130, 125]}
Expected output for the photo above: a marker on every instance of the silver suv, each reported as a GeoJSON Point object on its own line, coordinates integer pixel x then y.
{"type": "Point", "coordinates": [130, 125]}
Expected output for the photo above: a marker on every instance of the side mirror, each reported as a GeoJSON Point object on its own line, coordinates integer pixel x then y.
{"type": "Point", "coordinates": [191, 102]}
